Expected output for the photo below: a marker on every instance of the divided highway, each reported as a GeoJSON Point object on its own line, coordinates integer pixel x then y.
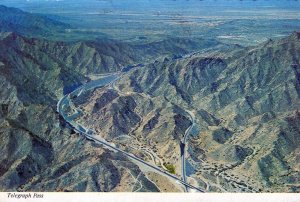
{"type": "Point", "coordinates": [183, 144]}
{"type": "Point", "coordinates": [81, 130]}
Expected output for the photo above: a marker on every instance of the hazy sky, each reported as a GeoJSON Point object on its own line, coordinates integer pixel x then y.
{"type": "Point", "coordinates": [125, 4]}
{"type": "Point", "coordinates": [262, 8]}
{"type": "Point", "coordinates": [160, 16]}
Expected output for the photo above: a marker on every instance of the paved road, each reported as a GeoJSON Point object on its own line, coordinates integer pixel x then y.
{"type": "Point", "coordinates": [184, 141]}
{"type": "Point", "coordinates": [138, 159]}
{"type": "Point", "coordinates": [81, 130]}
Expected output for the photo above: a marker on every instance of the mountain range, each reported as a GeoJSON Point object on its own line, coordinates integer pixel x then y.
{"type": "Point", "coordinates": [244, 102]}
{"type": "Point", "coordinates": [245, 105]}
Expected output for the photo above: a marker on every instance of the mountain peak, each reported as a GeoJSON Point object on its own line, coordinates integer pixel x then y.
{"type": "Point", "coordinates": [10, 9]}
{"type": "Point", "coordinates": [10, 36]}
{"type": "Point", "coordinates": [4, 35]}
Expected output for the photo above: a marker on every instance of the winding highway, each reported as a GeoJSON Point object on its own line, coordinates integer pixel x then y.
{"type": "Point", "coordinates": [109, 80]}
{"type": "Point", "coordinates": [183, 144]}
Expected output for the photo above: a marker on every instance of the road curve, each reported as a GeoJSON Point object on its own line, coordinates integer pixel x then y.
{"type": "Point", "coordinates": [80, 130]}
{"type": "Point", "coordinates": [183, 142]}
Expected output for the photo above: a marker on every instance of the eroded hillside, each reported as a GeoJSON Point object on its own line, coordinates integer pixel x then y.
{"type": "Point", "coordinates": [245, 106]}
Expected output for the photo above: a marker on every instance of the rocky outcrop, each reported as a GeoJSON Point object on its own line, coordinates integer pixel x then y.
{"type": "Point", "coordinates": [38, 152]}
{"type": "Point", "coordinates": [247, 105]}
{"type": "Point", "coordinates": [105, 99]}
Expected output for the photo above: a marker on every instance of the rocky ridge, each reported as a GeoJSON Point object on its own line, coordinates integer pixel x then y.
{"type": "Point", "coordinates": [247, 115]}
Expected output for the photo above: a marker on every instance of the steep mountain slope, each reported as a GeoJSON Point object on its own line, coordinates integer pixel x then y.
{"type": "Point", "coordinates": [24, 23]}
{"type": "Point", "coordinates": [99, 56]}
{"type": "Point", "coordinates": [246, 106]}
{"type": "Point", "coordinates": [34, 74]}
{"type": "Point", "coordinates": [38, 151]}
{"type": "Point", "coordinates": [78, 51]}
{"type": "Point", "coordinates": [33, 70]}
